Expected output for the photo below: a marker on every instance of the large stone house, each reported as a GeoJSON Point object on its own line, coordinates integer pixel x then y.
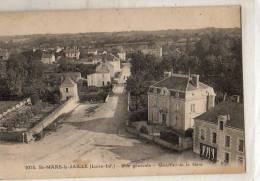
{"type": "Point", "coordinates": [102, 76]}
{"type": "Point", "coordinates": [176, 100]}
{"type": "Point", "coordinates": [219, 134]}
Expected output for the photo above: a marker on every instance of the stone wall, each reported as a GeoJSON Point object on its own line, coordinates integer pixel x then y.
{"type": "Point", "coordinates": [66, 107]}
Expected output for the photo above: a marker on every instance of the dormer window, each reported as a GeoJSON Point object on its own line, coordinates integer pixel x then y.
{"type": "Point", "coordinates": [221, 125]}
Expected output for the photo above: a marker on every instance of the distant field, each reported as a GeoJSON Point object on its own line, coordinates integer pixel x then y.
{"type": "Point", "coordinates": [4, 105]}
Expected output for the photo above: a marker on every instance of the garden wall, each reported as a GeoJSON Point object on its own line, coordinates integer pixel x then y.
{"type": "Point", "coordinates": [66, 107]}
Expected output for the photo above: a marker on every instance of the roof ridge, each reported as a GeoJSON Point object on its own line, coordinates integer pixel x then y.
{"type": "Point", "coordinates": [160, 81]}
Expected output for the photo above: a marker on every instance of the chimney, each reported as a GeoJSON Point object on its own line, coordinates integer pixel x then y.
{"type": "Point", "coordinates": [195, 79]}
{"type": "Point", "coordinates": [228, 117]}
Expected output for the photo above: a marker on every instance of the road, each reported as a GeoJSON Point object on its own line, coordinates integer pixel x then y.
{"type": "Point", "coordinates": [96, 137]}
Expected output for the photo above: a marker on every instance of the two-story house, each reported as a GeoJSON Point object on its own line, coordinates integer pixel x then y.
{"type": "Point", "coordinates": [219, 134]}
{"type": "Point", "coordinates": [176, 100]}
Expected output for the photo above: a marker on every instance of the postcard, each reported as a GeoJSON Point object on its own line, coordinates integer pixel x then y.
{"type": "Point", "coordinates": [121, 92]}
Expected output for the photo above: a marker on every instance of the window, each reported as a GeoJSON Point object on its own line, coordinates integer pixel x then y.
{"type": "Point", "coordinates": [221, 125]}
{"type": "Point", "coordinates": [202, 134]}
{"type": "Point", "coordinates": [192, 107]}
{"type": "Point", "coordinates": [241, 145]}
{"type": "Point", "coordinates": [214, 137]}
{"type": "Point", "coordinates": [226, 160]}
{"type": "Point", "coordinates": [227, 141]}
{"type": "Point", "coordinates": [177, 94]}
{"type": "Point", "coordinates": [67, 90]}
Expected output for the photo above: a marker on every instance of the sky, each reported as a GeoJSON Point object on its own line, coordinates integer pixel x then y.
{"type": "Point", "coordinates": [112, 20]}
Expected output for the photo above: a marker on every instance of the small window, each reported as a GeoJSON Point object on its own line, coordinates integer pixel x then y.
{"type": "Point", "coordinates": [227, 157]}
{"type": "Point", "coordinates": [214, 137]}
{"type": "Point", "coordinates": [202, 134]}
{"type": "Point", "coordinates": [177, 94]}
{"type": "Point", "coordinates": [227, 141]}
{"type": "Point", "coordinates": [192, 107]}
{"type": "Point", "coordinates": [221, 125]}
{"type": "Point", "coordinates": [241, 145]}
{"type": "Point", "coordinates": [67, 89]}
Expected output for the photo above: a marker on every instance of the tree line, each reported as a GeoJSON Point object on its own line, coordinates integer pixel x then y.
{"type": "Point", "coordinates": [216, 57]}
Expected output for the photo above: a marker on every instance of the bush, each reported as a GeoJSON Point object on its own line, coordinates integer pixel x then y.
{"type": "Point", "coordinates": [144, 130]}
{"type": "Point", "coordinates": [139, 116]}
{"type": "Point", "coordinates": [169, 137]}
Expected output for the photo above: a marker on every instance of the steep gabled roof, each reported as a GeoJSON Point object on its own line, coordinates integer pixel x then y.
{"type": "Point", "coordinates": [68, 82]}
{"type": "Point", "coordinates": [174, 82]}
{"type": "Point", "coordinates": [233, 109]}
{"type": "Point", "coordinates": [180, 82]}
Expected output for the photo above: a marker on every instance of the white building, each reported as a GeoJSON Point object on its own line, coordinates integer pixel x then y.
{"type": "Point", "coordinates": [72, 53]}
{"type": "Point", "coordinates": [101, 77]}
{"type": "Point", "coordinates": [68, 89]}
{"type": "Point", "coordinates": [122, 56]}
{"type": "Point", "coordinates": [48, 58]}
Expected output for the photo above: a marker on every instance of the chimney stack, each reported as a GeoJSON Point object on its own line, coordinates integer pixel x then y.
{"type": "Point", "coordinates": [195, 79]}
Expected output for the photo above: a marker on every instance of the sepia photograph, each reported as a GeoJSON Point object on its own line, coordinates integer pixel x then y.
{"type": "Point", "coordinates": [121, 92]}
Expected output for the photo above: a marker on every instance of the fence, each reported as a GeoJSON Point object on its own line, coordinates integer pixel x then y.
{"type": "Point", "coordinates": [156, 140]}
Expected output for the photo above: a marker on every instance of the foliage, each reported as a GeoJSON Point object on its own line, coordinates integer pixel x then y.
{"type": "Point", "coordinates": [67, 65]}
{"type": "Point", "coordinates": [138, 116]}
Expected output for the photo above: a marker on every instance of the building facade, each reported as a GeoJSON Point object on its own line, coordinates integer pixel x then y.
{"type": "Point", "coordinates": [99, 79]}
{"type": "Point", "coordinates": [72, 53]}
{"type": "Point", "coordinates": [4, 54]}
{"type": "Point", "coordinates": [177, 99]}
{"type": "Point", "coordinates": [68, 89]}
{"type": "Point", "coordinates": [156, 51]}
{"type": "Point", "coordinates": [102, 76]}
{"type": "Point", "coordinates": [47, 58]}
{"type": "Point", "coordinates": [219, 134]}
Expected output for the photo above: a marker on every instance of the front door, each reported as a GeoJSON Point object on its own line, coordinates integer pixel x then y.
{"type": "Point", "coordinates": [208, 152]}
{"type": "Point", "coordinates": [163, 119]}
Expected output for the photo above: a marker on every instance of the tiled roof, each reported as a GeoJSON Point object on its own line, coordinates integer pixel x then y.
{"type": "Point", "coordinates": [104, 68]}
{"type": "Point", "coordinates": [179, 82]}
{"type": "Point", "coordinates": [68, 82]}
{"type": "Point", "coordinates": [173, 82]}
{"type": "Point", "coordinates": [234, 109]}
